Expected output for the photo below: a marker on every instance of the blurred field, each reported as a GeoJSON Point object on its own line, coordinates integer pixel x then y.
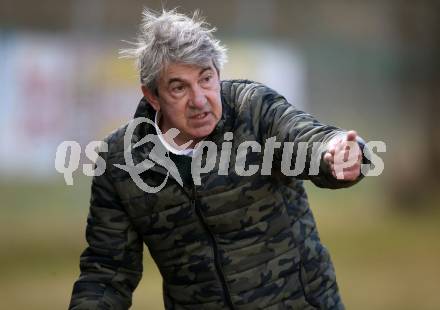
{"type": "Point", "coordinates": [384, 259]}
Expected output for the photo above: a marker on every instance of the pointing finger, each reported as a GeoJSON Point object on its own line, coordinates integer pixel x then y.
{"type": "Point", "coordinates": [351, 135]}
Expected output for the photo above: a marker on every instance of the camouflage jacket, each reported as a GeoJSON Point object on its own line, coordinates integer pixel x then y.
{"type": "Point", "coordinates": [233, 242]}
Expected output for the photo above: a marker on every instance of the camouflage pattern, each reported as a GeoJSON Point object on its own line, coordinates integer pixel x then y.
{"type": "Point", "coordinates": [233, 242]}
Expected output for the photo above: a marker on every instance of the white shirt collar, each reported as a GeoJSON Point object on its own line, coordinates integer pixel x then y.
{"type": "Point", "coordinates": [169, 147]}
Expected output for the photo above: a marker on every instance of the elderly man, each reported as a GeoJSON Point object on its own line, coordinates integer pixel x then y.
{"type": "Point", "coordinates": [234, 237]}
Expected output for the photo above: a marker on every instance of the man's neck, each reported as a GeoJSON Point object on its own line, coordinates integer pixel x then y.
{"type": "Point", "coordinates": [177, 145]}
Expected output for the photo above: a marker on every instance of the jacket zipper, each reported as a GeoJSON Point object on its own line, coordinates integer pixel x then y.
{"type": "Point", "coordinates": [217, 264]}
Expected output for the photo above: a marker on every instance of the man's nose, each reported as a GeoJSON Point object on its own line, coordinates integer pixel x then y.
{"type": "Point", "coordinates": [198, 98]}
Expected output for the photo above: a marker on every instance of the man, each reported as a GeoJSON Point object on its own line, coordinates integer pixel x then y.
{"type": "Point", "coordinates": [229, 238]}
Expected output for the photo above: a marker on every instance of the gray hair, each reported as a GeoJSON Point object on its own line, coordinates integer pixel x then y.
{"type": "Point", "coordinates": [172, 38]}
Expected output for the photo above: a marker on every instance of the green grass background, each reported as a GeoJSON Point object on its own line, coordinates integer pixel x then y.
{"type": "Point", "coordinates": [384, 259]}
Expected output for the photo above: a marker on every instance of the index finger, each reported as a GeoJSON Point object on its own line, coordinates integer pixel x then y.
{"type": "Point", "coordinates": [351, 135]}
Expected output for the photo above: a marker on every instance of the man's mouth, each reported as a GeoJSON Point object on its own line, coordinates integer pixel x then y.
{"type": "Point", "coordinates": [199, 116]}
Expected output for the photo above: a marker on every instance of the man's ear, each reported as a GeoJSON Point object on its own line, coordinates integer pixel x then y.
{"type": "Point", "coordinates": [151, 98]}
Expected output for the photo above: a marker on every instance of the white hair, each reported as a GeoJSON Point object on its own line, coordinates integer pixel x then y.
{"type": "Point", "coordinates": [172, 38]}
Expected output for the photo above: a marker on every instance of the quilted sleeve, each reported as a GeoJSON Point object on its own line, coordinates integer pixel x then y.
{"type": "Point", "coordinates": [111, 265]}
{"type": "Point", "coordinates": [273, 117]}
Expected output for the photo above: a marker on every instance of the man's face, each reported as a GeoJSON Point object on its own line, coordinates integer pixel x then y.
{"type": "Point", "coordinates": [188, 99]}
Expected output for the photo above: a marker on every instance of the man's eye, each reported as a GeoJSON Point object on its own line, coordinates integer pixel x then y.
{"type": "Point", "coordinates": [178, 89]}
{"type": "Point", "coordinates": [206, 79]}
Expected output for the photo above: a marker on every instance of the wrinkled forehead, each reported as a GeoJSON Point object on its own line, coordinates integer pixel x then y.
{"type": "Point", "coordinates": [184, 71]}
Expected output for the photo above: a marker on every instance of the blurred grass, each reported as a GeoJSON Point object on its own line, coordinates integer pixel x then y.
{"type": "Point", "coordinates": [384, 259]}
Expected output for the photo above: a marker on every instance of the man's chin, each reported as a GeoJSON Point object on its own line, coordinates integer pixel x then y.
{"type": "Point", "coordinates": [202, 133]}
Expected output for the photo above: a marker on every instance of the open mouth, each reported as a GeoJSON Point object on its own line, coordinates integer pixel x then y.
{"type": "Point", "coordinates": [200, 116]}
